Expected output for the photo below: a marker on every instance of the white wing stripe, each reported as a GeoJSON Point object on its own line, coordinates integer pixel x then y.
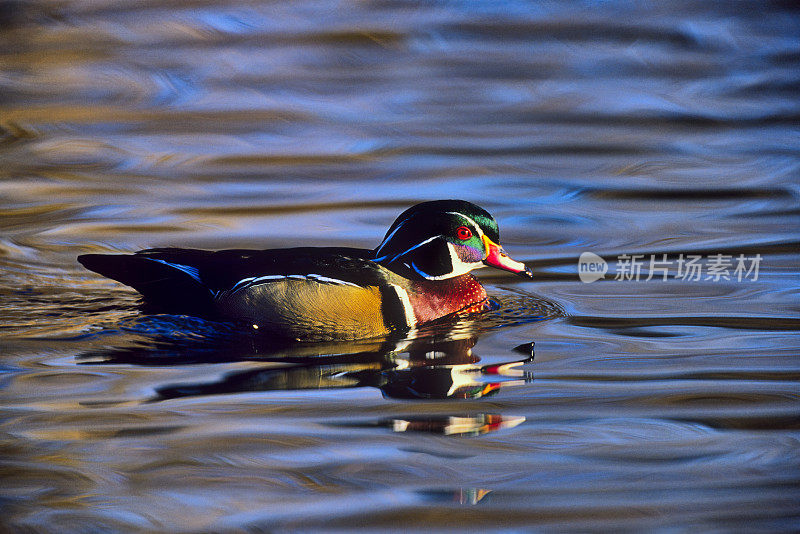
{"type": "Point", "coordinates": [253, 280]}
{"type": "Point", "coordinates": [327, 280]}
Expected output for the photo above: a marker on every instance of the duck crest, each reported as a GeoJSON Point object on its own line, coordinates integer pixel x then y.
{"type": "Point", "coordinates": [437, 240]}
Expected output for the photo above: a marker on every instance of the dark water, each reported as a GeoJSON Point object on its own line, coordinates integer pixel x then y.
{"type": "Point", "coordinates": [663, 404]}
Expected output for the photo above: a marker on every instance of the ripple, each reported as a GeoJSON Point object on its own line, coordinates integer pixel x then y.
{"type": "Point", "coordinates": [747, 323]}
{"type": "Point", "coordinates": [683, 195]}
{"type": "Point", "coordinates": [517, 307]}
{"type": "Point", "coordinates": [613, 127]}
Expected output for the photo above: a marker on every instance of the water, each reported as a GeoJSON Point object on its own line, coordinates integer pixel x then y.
{"type": "Point", "coordinates": [610, 128]}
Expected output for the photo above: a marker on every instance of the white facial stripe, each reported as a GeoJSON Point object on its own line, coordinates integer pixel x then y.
{"type": "Point", "coordinates": [468, 219]}
{"type": "Point", "coordinates": [390, 236]}
{"type": "Point", "coordinates": [409, 250]}
{"type": "Point", "coordinates": [459, 267]}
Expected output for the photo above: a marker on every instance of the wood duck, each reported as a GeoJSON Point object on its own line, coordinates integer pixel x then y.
{"type": "Point", "coordinates": [417, 274]}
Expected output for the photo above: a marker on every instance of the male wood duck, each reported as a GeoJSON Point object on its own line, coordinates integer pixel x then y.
{"type": "Point", "coordinates": [418, 273]}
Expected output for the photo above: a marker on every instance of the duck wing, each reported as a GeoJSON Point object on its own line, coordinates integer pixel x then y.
{"type": "Point", "coordinates": [174, 285]}
{"type": "Point", "coordinates": [312, 280]}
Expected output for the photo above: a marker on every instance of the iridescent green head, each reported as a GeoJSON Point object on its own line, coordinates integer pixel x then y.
{"type": "Point", "coordinates": [442, 239]}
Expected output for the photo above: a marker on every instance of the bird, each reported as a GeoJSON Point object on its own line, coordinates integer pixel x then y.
{"type": "Point", "coordinates": [420, 272]}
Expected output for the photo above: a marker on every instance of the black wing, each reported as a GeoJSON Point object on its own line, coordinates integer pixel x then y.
{"type": "Point", "coordinates": [190, 278]}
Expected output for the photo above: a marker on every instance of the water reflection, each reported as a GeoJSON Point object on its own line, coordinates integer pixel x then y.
{"type": "Point", "coordinates": [440, 365]}
{"type": "Point", "coordinates": [612, 127]}
{"type": "Point", "coordinates": [448, 425]}
{"type": "Point", "coordinates": [426, 369]}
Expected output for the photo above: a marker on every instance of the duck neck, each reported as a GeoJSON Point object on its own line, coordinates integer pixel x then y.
{"type": "Point", "coordinates": [432, 299]}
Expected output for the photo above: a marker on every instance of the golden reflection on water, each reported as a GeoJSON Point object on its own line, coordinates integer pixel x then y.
{"type": "Point", "coordinates": [613, 128]}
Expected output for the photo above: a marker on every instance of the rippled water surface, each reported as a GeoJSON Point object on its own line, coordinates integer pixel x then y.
{"type": "Point", "coordinates": [669, 403]}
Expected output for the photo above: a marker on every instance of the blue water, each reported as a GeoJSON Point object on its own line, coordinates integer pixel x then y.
{"type": "Point", "coordinates": [624, 404]}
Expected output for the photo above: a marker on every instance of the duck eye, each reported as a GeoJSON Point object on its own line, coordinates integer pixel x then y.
{"type": "Point", "coordinates": [463, 233]}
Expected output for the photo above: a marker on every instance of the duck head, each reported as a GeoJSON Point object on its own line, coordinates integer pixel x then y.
{"type": "Point", "coordinates": [443, 239]}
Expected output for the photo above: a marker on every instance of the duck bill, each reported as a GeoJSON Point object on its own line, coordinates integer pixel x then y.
{"type": "Point", "coordinates": [498, 258]}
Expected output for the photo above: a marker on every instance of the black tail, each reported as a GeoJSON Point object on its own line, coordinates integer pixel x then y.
{"type": "Point", "coordinates": [160, 283]}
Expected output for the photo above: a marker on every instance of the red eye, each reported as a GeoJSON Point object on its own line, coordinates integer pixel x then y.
{"type": "Point", "coordinates": [463, 233]}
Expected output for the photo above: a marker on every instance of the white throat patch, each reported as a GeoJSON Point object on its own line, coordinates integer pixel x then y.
{"type": "Point", "coordinates": [459, 267]}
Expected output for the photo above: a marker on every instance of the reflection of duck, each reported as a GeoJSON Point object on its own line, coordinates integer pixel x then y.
{"type": "Point", "coordinates": [419, 273]}
{"type": "Point", "coordinates": [449, 425]}
{"type": "Point", "coordinates": [419, 369]}
{"type": "Point", "coordinates": [440, 364]}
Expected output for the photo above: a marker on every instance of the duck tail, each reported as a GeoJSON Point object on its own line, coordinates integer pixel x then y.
{"type": "Point", "coordinates": [166, 284]}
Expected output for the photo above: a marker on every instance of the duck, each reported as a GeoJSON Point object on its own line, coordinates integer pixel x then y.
{"type": "Point", "coordinates": [419, 273]}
